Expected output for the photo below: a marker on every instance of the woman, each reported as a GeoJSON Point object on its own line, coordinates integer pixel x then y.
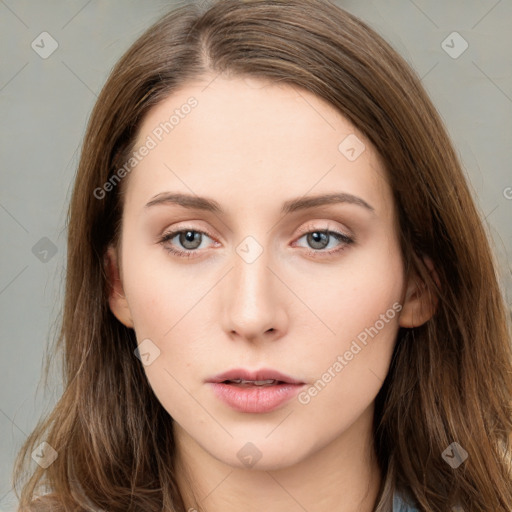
{"type": "Point", "coordinates": [279, 293]}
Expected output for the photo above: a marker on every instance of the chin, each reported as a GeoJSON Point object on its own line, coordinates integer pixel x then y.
{"type": "Point", "coordinates": [260, 455]}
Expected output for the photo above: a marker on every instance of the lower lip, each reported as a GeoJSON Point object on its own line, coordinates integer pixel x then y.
{"type": "Point", "coordinates": [253, 398]}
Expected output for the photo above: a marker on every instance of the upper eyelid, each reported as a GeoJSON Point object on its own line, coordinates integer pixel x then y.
{"type": "Point", "coordinates": [306, 226]}
{"type": "Point", "coordinates": [302, 230]}
{"type": "Point", "coordinates": [330, 227]}
{"type": "Point", "coordinates": [178, 230]}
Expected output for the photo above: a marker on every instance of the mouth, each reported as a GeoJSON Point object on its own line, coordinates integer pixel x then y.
{"type": "Point", "coordinates": [254, 392]}
{"type": "Point", "coordinates": [263, 377]}
{"type": "Point", "coordinates": [242, 383]}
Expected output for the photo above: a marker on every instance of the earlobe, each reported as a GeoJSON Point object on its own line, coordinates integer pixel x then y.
{"type": "Point", "coordinates": [116, 297]}
{"type": "Point", "coordinates": [419, 304]}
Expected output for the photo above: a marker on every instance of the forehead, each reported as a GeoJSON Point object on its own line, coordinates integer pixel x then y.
{"type": "Point", "coordinates": [247, 138]}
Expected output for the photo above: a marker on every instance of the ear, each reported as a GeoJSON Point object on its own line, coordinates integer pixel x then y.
{"type": "Point", "coordinates": [116, 298]}
{"type": "Point", "coordinates": [419, 304]}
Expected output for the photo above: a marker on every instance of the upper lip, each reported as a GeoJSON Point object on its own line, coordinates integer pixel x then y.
{"type": "Point", "coordinates": [262, 374]}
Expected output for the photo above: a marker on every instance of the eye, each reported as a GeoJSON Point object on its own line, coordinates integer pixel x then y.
{"type": "Point", "coordinates": [190, 239]}
{"type": "Point", "coordinates": [319, 239]}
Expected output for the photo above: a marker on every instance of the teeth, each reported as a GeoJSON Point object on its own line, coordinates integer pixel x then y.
{"type": "Point", "coordinates": [254, 382]}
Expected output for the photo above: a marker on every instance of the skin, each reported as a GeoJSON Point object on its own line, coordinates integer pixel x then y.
{"type": "Point", "coordinates": [251, 146]}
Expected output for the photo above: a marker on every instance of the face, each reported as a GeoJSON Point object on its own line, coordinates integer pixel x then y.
{"type": "Point", "coordinates": [256, 275]}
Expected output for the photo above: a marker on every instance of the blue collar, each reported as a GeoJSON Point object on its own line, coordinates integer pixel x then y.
{"type": "Point", "coordinates": [401, 504]}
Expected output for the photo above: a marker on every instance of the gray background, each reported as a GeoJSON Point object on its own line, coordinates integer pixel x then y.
{"type": "Point", "coordinates": [45, 104]}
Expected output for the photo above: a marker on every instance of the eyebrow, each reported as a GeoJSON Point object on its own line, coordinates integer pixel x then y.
{"type": "Point", "coordinates": [293, 205]}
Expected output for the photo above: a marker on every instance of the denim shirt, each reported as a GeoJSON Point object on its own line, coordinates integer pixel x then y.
{"type": "Point", "coordinates": [400, 503]}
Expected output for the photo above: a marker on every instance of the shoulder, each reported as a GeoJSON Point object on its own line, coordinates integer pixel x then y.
{"type": "Point", "coordinates": [52, 503]}
{"type": "Point", "coordinates": [45, 503]}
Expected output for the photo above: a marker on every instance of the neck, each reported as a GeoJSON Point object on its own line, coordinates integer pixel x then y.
{"type": "Point", "coordinates": [342, 476]}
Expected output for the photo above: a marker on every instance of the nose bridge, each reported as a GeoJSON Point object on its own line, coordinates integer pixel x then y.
{"type": "Point", "coordinates": [252, 298]}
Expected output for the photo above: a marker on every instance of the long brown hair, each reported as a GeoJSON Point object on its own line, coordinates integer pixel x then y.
{"type": "Point", "coordinates": [450, 379]}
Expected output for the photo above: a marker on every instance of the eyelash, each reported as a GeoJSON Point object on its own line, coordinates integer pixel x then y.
{"type": "Point", "coordinates": [341, 237]}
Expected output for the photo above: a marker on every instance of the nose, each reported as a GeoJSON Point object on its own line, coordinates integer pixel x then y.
{"type": "Point", "coordinates": [252, 297]}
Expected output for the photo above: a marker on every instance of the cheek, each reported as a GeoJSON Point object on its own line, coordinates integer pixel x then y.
{"type": "Point", "coordinates": [359, 307]}
{"type": "Point", "coordinates": [356, 355]}
{"type": "Point", "coordinates": [351, 296]}
{"type": "Point", "coordinates": [166, 304]}
{"type": "Point", "coordinates": [162, 307]}
{"type": "Point", "coordinates": [155, 288]}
